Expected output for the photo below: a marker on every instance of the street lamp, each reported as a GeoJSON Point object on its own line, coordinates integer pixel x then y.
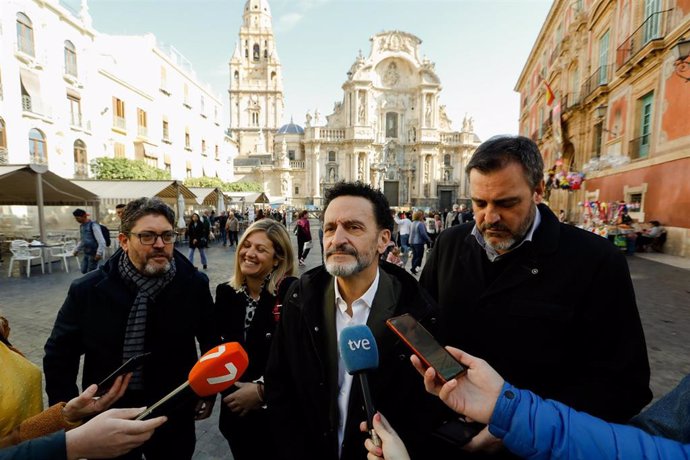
{"type": "Point", "coordinates": [682, 50]}
{"type": "Point", "coordinates": [601, 114]}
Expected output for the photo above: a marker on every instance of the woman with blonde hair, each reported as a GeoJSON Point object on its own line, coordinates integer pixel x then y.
{"type": "Point", "coordinates": [247, 310]}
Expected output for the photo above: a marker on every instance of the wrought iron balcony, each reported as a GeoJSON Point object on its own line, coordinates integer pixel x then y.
{"type": "Point", "coordinates": [600, 77]}
{"type": "Point", "coordinates": [653, 28]}
{"type": "Point", "coordinates": [81, 170]}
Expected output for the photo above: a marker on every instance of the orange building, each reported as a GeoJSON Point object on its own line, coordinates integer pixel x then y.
{"type": "Point", "coordinates": [621, 112]}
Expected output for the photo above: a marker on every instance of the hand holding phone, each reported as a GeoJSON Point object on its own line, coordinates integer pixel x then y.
{"type": "Point", "coordinates": [130, 365]}
{"type": "Point", "coordinates": [425, 346]}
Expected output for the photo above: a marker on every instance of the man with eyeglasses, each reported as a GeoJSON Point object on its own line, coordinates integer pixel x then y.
{"type": "Point", "coordinates": [147, 298]}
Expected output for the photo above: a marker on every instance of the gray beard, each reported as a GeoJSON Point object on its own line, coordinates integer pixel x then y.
{"type": "Point", "coordinates": [516, 237]}
{"type": "Point", "coordinates": [344, 270]}
{"type": "Point", "coordinates": [150, 270]}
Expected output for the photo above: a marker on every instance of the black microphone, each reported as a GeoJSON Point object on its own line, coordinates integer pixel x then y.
{"type": "Point", "coordinates": [359, 353]}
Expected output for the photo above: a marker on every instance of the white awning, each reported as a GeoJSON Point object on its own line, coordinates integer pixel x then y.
{"type": "Point", "coordinates": [32, 85]}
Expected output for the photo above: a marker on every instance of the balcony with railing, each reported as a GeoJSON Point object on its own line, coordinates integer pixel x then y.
{"type": "Point", "coordinates": [38, 159]}
{"type": "Point", "coordinates": [4, 156]}
{"type": "Point", "coordinates": [570, 101]}
{"type": "Point", "coordinates": [652, 29]}
{"type": "Point", "coordinates": [81, 171]}
{"type": "Point", "coordinates": [142, 131]}
{"type": "Point", "coordinates": [330, 134]}
{"type": "Point", "coordinates": [600, 77]}
{"type": "Point", "coordinates": [27, 106]}
{"type": "Point", "coordinates": [639, 147]}
{"type": "Point", "coordinates": [119, 123]}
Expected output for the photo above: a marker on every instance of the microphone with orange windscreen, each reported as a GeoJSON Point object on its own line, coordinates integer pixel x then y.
{"type": "Point", "coordinates": [215, 371]}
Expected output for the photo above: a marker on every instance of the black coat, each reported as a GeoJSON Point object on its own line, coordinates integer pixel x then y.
{"type": "Point", "coordinates": [247, 435]}
{"type": "Point", "coordinates": [92, 323]}
{"type": "Point", "coordinates": [560, 320]}
{"type": "Point", "coordinates": [301, 376]}
{"type": "Point", "coordinates": [196, 231]}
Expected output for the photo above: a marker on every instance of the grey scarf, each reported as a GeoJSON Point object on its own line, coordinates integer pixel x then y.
{"type": "Point", "coordinates": [147, 289]}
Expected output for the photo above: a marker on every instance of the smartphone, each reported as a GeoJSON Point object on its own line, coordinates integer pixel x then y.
{"type": "Point", "coordinates": [458, 432]}
{"type": "Point", "coordinates": [130, 365]}
{"type": "Point", "coordinates": [425, 346]}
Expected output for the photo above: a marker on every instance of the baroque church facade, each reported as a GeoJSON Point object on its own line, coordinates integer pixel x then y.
{"type": "Point", "coordinates": [389, 129]}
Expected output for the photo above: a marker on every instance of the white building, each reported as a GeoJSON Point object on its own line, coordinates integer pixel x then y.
{"type": "Point", "coordinates": [69, 95]}
{"type": "Point", "coordinates": [390, 128]}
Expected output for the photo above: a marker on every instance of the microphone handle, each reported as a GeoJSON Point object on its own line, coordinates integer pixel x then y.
{"type": "Point", "coordinates": [369, 408]}
{"type": "Point", "coordinates": [165, 399]}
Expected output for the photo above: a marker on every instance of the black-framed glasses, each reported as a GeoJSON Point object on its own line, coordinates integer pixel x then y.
{"type": "Point", "coordinates": [149, 238]}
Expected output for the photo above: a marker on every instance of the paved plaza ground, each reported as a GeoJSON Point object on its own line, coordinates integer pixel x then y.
{"type": "Point", "coordinates": [662, 290]}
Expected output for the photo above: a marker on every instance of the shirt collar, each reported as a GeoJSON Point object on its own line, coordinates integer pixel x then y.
{"type": "Point", "coordinates": [491, 252]}
{"type": "Point", "coordinates": [367, 297]}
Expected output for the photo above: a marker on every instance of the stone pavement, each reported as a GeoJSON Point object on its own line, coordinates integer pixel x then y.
{"type": "Point", "coordinates": [662, 290]}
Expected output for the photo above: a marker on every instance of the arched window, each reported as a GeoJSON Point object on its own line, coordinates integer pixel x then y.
{"type": "Point", "coordinates": [81, 167]}
{"type": "Point", "coordinates": [37, 147]}
{"type": "Point", "coordinates": [237, 75]}
{"type": "Point", "coordinates": [70, 59]}
{"type": "Point", "coordinates": [446, 159]}
{"type": "Point", "coordinates": [25, 34]}
{"type": "Point", "coordinates": [187, 143]}
{"type": "Point", "coordinates": [257, 52]}
{"type": "Point", "coordinates": [391, 124]}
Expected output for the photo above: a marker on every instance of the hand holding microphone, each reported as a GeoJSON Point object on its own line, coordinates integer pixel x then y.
{"type": "Point", "coordinates": [215, 371]}
{"type": "Point", "coordinates": [360, 354]}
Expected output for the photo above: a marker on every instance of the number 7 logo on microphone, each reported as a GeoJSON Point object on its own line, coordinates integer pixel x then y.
{"type": "Point", "coordinates": [218, 369]}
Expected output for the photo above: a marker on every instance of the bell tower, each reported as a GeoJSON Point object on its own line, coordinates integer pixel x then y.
{"type": "Point", "coordinates": [256, 82]}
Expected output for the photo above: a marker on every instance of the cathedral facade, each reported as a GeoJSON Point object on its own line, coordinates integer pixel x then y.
{"type": "Point", "coordinates": [389, 129]}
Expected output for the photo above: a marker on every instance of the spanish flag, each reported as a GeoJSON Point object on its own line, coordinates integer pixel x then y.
{"type": "Point", "coordinates": [550, 96]}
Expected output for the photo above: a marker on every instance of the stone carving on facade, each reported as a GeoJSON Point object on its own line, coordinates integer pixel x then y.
{"type": "Point", "coordinates": [331, 175]}
{"type": "Point", "coordinates": [308, 119]}
{"type": "Point", "coordinates": [360, 168]}
{"type": "Point", "coordinates": [362, 107]}
{"type": "Point", "coordinates": [467, 124]}
{"type": "Point", "coordinates": [391, 76]}
{"type": "Point", "coordinates": [445, 122]}
{"type": "Point", "coordinates": [317, 117]}
{"type": "Point", "coordinates": [395, 41]}
{"type": "Point", "coordinates": [427, 113]}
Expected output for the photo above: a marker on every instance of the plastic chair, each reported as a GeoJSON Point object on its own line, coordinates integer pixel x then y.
{"type": "Point", "coordinates": [21, 250]}
{"type": "Point", "coordinates": [63, 252]}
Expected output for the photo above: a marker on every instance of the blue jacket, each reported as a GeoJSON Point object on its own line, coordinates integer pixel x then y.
{"type": "Point", "coordinates": [51, 446]}
{"type": "Point", "coordinates": [534, 428]}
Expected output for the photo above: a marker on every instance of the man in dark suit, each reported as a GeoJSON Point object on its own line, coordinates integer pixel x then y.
{"type": "Point", "coordinates": [314, 406]}
{"type": "Point", "coordinates": [146, 298]}
{"type": "Point", "coordinates": [551, 306]}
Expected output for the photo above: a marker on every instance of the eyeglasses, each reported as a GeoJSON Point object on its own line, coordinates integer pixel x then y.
{"type": "Point", "coordinates": [149, 238]}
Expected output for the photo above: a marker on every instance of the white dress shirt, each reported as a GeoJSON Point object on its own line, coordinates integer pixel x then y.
{"type": "Point", "coordinates": [360, 313]}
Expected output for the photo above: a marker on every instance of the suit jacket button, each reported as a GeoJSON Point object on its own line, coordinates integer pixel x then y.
{"type": "Point", "coordinates": [269, 335]}
{"type": "Point", "coordinates": [402, 357]}
{"type": "Point", "coordinates": [535, 271]}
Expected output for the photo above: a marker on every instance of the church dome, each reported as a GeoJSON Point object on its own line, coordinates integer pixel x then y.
{"type": "Point", "coordinates": [257, 6]}
{"type": "Point", "coordinates": [291, 128]}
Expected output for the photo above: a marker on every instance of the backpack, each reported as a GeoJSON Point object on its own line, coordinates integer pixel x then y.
{"type": "Point", "coordinates": [104, 231]}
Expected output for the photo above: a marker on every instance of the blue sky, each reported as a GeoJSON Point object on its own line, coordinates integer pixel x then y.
{"type": "Point", "coordinates": [479, 47]}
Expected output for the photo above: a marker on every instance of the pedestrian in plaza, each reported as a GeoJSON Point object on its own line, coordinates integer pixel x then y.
{"type": "Point", "coordinates": [418, 238]}
{"type": "Point", "coordinates": [314, 405]}
{"type": "Point", "coordinates": [537, 293]}
{"type": "Point", "coordinates": [28, 432]}
{"type": "Point", "coordinates": [197, 234]}
{"type": "Point", "coordinates": [119, 209]}
{"type": "Point", "coordinates": [91, 241]}
{"type": "Point", "coordinates": [534, 428]}
{"type": "Point", "coordinates": [233, 227]}
{"type": "Point", "coordinates": [303, 232]}
{"type": "Point", "coordinates": [222, 222]}
{"type": "Point", "coordinates": [438, 222]}
{"type": "Point", "coordinates": [452, 218]}
{"type": "Point", "coordinates": [247, 311]}
{"type": "Point", "coordinates": [430, 223]}
{"type": "Point", "coordinates": [147, 298]}
{"type": "Point", "coordinates": [404, 226]}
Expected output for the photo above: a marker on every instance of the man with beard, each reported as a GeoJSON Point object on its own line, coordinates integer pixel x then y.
{"type": "Point", "coordinates": [147, 298]}
{"type": "Point", "coordinates": [550, 306]}
{"type": "Point", "coordinates": [314, 406]}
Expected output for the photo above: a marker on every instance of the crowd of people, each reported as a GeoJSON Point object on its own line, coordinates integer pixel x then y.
{"type": "Point", "coordinates": [491, 287]}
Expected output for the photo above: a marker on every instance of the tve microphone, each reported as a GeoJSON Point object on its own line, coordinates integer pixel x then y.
{"type": "Point", "coordinates": [215, 371]}
{"type": "Point", "coordinates": [359, 353]}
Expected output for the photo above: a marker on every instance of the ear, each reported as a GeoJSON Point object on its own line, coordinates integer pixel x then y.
{"type": "Point", "coordinates": [124, 241]}
{"type": "Point", "coordinates": [539, 192]}
{"type": "Point", "coordinates": [383, 239]}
